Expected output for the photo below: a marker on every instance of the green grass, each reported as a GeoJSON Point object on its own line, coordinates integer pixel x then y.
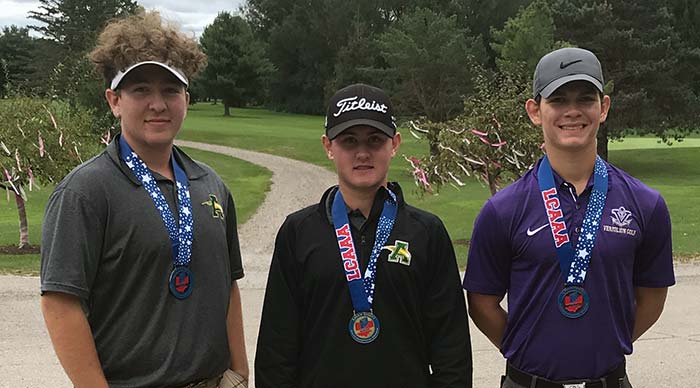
{"type": "Point", "coordinates": [298, 137]}
{"type": "Point", "coordinates": [248, 184]}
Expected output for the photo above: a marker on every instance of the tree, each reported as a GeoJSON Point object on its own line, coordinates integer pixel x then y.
{"type": "Point", "coordinates": [75, 23]}
{"type": "Point", "coordinates": [40, 141]}
{"type": "Point", "coordinates": [643, 62]}
{"type": "Point", "coordinates": [238, 67]}
{"type": "Point", "coordinates": [314, 45]}
{"type": "Point", "coordinates": [429, 59]}
{"type": "Point", "coordinates": [525, 38]}
{"type": "Point", "coordinates": [492, 140]}
{"type": "Point", "coordinates": [17, 51]}
{"type": "Point", "coordinates": [482, 17]}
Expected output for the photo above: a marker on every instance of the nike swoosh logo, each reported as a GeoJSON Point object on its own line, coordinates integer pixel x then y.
{"type": "Point", "coordinates": [563, 65]}
{"type": "Point", "coordinates": [534, 232]}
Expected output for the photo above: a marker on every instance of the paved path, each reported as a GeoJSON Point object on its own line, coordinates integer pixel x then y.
{"type": "Point", "coordinates": [666, 357]}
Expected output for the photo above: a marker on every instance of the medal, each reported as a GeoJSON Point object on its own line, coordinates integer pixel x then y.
{"type": "Point", "coordinates": [181, 233]}
{"type": "Point", "coordinates": [181, 282]}
{"type": "Point", "coordinates": [364, 327]}
{"type": "Point", "coordinates": [573, 302]}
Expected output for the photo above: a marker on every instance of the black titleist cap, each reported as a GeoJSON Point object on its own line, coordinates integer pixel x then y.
{"type": "Point", "coordinates": [360, 104]}
{"type": "Point", "coordinates": [563, 66]}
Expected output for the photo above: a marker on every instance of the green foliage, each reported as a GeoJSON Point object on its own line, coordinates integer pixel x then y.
{"type": "Point", "coordinates": [17, 51]}
{"type": "Point", "coordinates": [642, 55]}
{"type": "Point", "coordinates": [42, 140]}
{"type": "Point", "coordinates": [429, 58]}
{"type": "Point", "coordinates": [74, 80]}
{"type": "Point", "coordinates": [321, 45]}
{"type": "Point", "coordinates": [525, 38]}
{"type": "Point", "coordinates": [75, 23]}
{"type": "Point", "coordinates": [493, 140]}
{"type": "Point", "coordinates": [482, 17]}
{"type": "Point", "coordinates": [238, 67]}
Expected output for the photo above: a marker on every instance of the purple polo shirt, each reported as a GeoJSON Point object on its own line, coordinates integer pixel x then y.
{"type": "Point", "coordinates": [512, 251]}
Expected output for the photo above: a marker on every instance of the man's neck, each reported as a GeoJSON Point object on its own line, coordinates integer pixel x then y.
{"type": "Point", "coordinates": [157, 159]}
{"type": "Point", "coordinates": [574, 167]}
{"type": "Point", "coordinates": [359, 199]}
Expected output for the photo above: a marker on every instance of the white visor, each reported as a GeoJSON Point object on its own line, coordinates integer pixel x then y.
{"type": "Point", "coordinates": [121, 74]}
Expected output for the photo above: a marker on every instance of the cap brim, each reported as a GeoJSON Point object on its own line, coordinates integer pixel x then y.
{"type": "Point", "coordinates": [554, 85]}
{"type": "Point", "coordinates": [121, 74]}
{"type": "Point", "coordinates": [338, 129]}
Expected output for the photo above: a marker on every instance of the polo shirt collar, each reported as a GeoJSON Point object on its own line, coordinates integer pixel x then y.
{"type": "Point", "coordinates": [192, 169]}
{"type": "Point", "coordinates": [559, 181]}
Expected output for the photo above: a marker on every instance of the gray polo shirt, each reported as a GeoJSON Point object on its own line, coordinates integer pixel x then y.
{"type": "Point", "coordinates": [105, 242]}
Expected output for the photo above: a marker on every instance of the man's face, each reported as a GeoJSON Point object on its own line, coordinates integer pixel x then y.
{"type": "Point", "coordinates": [570, 117]}
{"type": "Point", "coordinates": [152, 104]}
{"type": "Point", "coordinates": [361, 156]}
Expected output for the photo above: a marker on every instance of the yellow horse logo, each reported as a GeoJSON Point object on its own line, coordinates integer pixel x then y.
{"type": "Point", "coordinates": [216, 210]}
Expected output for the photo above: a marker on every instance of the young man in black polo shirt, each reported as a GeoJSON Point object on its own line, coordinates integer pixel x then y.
{"type": "Point", "coordinates": [324, 323]}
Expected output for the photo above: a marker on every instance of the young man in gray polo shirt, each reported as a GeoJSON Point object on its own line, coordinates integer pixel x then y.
{"type": "Point", "coordinates": [140, 253]}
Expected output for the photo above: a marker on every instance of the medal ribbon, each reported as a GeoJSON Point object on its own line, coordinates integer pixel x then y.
{"type": "Point", "coordinates": [180, 235]}
{"type": "Point", "coordinates": [573, 262]}
{"type": "Point", "coordinates": [361, 288]}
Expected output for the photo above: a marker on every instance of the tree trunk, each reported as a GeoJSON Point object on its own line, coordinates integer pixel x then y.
{"type": "Point", "coordinates": [227, 111]}
{"type": "Point", "coordinates": [492, 185]}
{"type": "Point", "coordinates": [23, 228]}
{"type": "Point", "coordinates": [603, 141]}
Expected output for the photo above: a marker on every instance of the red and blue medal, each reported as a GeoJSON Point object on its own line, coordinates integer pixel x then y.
{"type": "Point", "coordinates": [573, 301]}
{"type": "Point", "coordinates": [364, 325]}
{"type": "Point", "coordinates": [181, 234]}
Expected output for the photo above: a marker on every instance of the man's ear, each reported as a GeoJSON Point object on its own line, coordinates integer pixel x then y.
{"type": "Point", "coordinates": [327, 146]}
{"type": "Point", "coordinates": [395, 143]}
{"type": "Point", "coordinates": [113, 98]}
{"type": "Point", "coordinates": [533, 111]}
{"type": "Point", "coordinates": [605, 108]}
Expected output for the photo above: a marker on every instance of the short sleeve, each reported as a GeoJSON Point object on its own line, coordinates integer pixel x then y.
{"type": "Point", "coordinates": [72, 237]}
{"type": "Point", "coordinates": [653, 263]}
{"type": "Point", "coordinates": [234, 248]}
{"type": "Point", "coordinates": [489, 260]}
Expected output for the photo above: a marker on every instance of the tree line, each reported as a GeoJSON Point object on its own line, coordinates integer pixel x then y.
{"type": "Point", "coordinates": [458, 72]}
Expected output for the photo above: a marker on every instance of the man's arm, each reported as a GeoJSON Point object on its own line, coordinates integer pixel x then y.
{"type": "Point", "coordinates": [488, 315]}
{"type": "Point", "coordinates": [236, 339]}
{"type": "Point", "coordinates": [445, 314]}
{"type": "Point", "coordinates": [72, 339]}
{"type": "Point", "coordinates": [650, 303]}
{"type": "Point", "coordinates": [277, 353]}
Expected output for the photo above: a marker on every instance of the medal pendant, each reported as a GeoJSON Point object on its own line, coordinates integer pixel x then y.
{"type": "Point", "coordinates": [364, 327]}
{"type": "Point", "coordinates": [573, 302]}
{"type": "Point", "coordinates": [181, 282]}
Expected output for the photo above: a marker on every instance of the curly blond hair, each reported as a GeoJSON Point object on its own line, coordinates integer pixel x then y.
{"type": "Point", "coordinates": [145, 37]}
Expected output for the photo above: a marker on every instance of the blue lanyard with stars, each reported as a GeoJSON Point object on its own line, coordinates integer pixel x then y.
{"type": "Point", "coordinates": [180, 235]}
{"type": "Point", "coordinates": [361, 288]}
{"type": "Point", "coordinates": [573, 262]}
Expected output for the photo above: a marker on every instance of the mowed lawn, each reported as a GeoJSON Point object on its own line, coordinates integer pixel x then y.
{"type": "Point", "coordinates": [248, 183]}
{"type": "Point", "coordinates": [671, 170]}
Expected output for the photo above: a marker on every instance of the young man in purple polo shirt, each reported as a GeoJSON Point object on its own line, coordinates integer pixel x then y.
{"type": "Point", "coordinates": [582, 249]}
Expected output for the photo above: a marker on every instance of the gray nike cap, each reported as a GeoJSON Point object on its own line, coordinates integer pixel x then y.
{"type": "Point", "coordinates": [563, 66]}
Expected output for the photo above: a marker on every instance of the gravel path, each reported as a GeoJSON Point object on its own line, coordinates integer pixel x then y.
{"type": "Point", "coordinates": [295, 184]}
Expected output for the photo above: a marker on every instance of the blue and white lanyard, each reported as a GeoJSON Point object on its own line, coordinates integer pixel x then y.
{"type": "Point", "coordinates": [361, 288]}
{"type": "Point", "coordinates": [573, 262]}
{"type": "Point", "coordinates": [180, 235]}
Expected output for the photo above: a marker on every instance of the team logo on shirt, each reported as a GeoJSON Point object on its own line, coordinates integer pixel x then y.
{"type": "Point", "coordinates": [621, 219]}
{"type": "Point", "coordinates": [399, 253]}
{"type": "Point", "coordinates": [217, 211]}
